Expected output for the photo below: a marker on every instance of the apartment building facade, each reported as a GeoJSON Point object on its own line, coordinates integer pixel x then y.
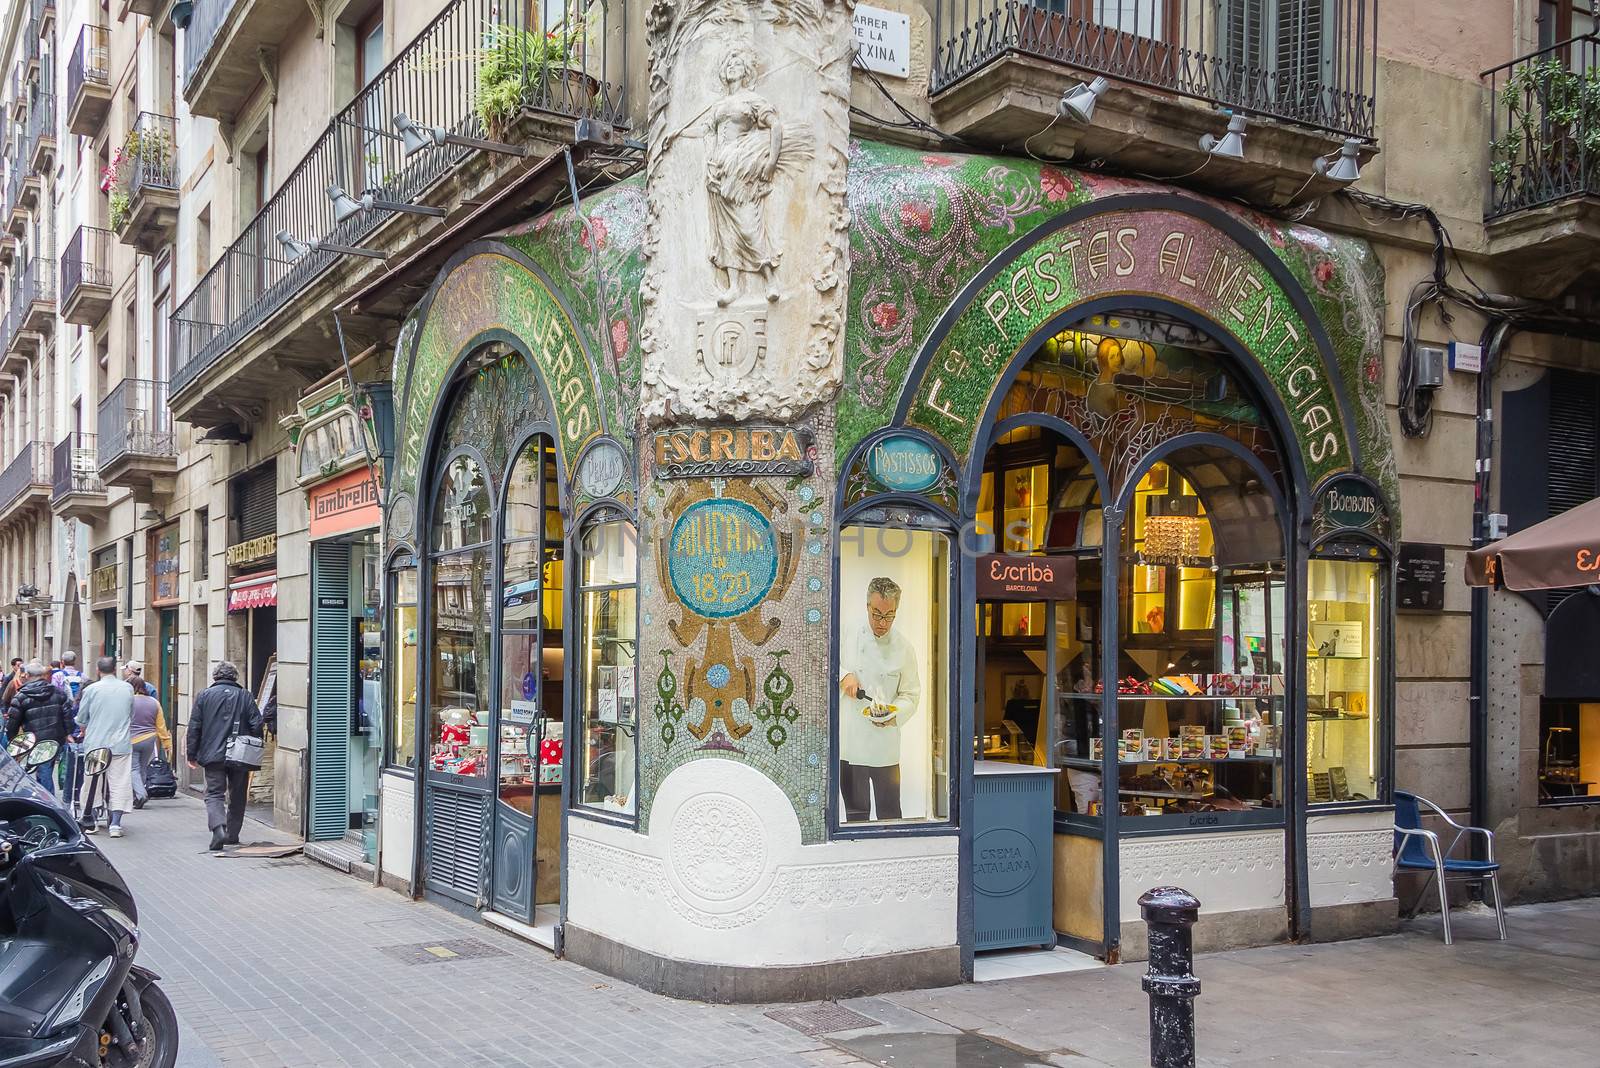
{"type": "Point", "coordinates": [555, 432]}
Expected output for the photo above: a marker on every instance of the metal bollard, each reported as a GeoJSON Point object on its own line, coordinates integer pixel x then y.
{"type": "Point", "coordinates": [1169, 915]}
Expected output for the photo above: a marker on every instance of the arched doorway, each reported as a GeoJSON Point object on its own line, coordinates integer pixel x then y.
{"type": "Point", "coordinates": [1154, 676]}
{"type": "Point", "coordinates": [492, 591]}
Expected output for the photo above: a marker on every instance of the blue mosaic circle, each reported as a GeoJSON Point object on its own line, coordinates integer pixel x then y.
{"type": "Point", "coordinates": [717, 675]}
{"type": "Point", "coordinates": [814, 547]}
{"type": "Point", "coordinates": [722, 557]}
{"type": "Point", "coordinates": [811, 798]}
{"type": "Point", "coordinates": [813, 615]}
{"type": "Point", "coordinates": [806, 494]}
{"type": "Point", "coordinates": [816, 519]}
{"type": "Point", "coordinates": [813, 584]}
{"type": "Point", "coordinates": [813, 759]}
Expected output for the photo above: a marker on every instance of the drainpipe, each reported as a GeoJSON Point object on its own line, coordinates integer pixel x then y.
{"type": "Point", "coordinates": [1495, 336]}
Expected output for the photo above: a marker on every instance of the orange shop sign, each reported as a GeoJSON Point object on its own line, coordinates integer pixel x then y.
{"type": "Point", "coordinates": [343, 504]}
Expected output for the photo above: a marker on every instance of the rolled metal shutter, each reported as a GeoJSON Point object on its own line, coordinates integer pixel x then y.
{"type": "Point", "coordinates": [332, 672]}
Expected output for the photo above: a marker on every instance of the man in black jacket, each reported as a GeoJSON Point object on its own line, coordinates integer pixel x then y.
{"type": "Point", "coordinates": [41, 710]}
{"type": "Point", "coordinates": [211, 725]}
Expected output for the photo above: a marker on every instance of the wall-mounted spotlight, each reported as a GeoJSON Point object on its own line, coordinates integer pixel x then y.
{"type": "Point", "coordinates": [415, 137]}
{"type": "Point", "coordinates": [1231, 143]}
{"type": "Point", "coordinates": [1078, 102]}
{"type": "Point", "coordinates": [344, 205]}
{"type": "Point", "coordinates": [297, 248]}
{"type": "Point", "coordinates": [1343, 166]}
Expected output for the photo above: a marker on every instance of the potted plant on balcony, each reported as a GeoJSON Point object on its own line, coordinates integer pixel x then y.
{"type": "Point", "coordinates": [119, 201]}
{"type": "Point", "coordinates": [1553, 126]}
{"type": "Point", "coordinates": [517, 68]}
{"type": "Point", "coordinates": [151, 149]}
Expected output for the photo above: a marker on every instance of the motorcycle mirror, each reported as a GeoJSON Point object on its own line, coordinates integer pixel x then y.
{"type": "Point", "coordinates": [42, 753]}
{"type": "Point", "coordinates": [20, 745]}
{"type": "Point", "coordinates": [96, 761]}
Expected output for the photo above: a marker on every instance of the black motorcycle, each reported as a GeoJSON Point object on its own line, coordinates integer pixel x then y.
{"type": "Point", "coordinates": [70, 993]}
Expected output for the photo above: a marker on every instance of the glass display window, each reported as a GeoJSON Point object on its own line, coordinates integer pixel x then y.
{"type": "Point", "coordinates": [460, 701]}
{"type": "Point", "coordinates": [893, 668]}
{"type": "Point", "coordinates": [1345, 606]}
{"type": "Point", "coordinates": [401, 737]}
{"type": "Point", "coordinates": [1569, 752]}
{"type": "Point", "coordinates": [462, 512]}
{"type": "Point", "coordinates": [608, 694]}
{"type": "Point", "coordinates": [1201, 685]}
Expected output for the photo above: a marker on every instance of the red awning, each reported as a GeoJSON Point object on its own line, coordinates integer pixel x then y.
{"type": "Point", "coordinates": [257, 591]}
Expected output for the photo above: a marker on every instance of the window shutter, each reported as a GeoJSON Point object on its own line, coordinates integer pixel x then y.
{"type": "Point", "coordinates": [1572, 453]}
{"type": "Point", "coordinates": [332, 674]}
{"type": "Point", "coordinates": [258, 502]}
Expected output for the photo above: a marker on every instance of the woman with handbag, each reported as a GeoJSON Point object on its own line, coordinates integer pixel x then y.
{"type": "Point", "coordinates": [105, 721]}
{"type": "Point", "coordinates": [149, 733]}
{"type": "Point", "coordinates": [225, 739]}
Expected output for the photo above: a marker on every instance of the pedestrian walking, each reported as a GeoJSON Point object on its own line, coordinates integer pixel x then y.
{"type": "Point", "coordinates": [137, 680]}
{"type": "Point", "coordinates": [12, 682]}
{"type": "Point", "coordinates": [66, 677]}
{"type": "Point", "coordinates": [105, 721]}
{"type": "Point", "coordinates": [41, 710]}
{"type": "Point", "coordinates": [224, 710]}
{"type": "Point", "coordinates": [149, 737]}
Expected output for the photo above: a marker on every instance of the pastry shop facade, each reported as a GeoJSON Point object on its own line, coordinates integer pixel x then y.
{"type": "Point", "coordinates": [1078, 584]}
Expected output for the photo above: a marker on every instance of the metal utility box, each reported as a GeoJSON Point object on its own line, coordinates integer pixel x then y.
{"type": "Point", "coordinates": [1013, 854]}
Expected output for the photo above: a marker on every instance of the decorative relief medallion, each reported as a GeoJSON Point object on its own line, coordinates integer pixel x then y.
{"type": "Point", "coordinates": [747, 227]}
{"type": "Point", "coordinates": [719, 848]}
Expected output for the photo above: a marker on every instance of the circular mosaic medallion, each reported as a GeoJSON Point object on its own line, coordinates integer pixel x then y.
{"type": "Point", "coordinates": [602, 468]}
{"type": "Point", "coordinates": [402, 517]}
{"type": "Point", "coordinates": [722, 557]}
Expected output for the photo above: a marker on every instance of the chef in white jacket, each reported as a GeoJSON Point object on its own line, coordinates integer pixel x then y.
{"type": "Point", "coordinates": [879, 667]}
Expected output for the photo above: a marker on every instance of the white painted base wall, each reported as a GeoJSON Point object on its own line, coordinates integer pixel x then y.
{"type": "Point", "coordinates": [1348, 857]}
{"type": "Point", "coordinates": [397, 825]}
{"type": "Point", "coordinates": [1234, 872]}
{"type": "Point", "coordinates": [723, 879]}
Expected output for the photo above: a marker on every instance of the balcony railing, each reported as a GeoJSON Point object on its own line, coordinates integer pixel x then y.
{"type": "Point", "coordinates": [31, 41]}
{"type": "Point", "coordinates": [30, 468]}
{"type": "Point", "coordinates": [41, 122]}
{"type": "Point", "coordinates": [37, 283]}
{"type": "Point", "coordinates": [1544, 126]}
{"type": "Point", "coordinates": [208, 17]}
{"type": "Point", "coordinates": [75, 467]}
{"type": "Point", "coordinates": [90, 60]}
{"type": "Point", "coordinates": [1311, 63]}
{"type": "Point", "coordinates": [149, 156]}
{"type": "Point", "coordinates": [87, 260]}
{"type": "Point", "coordinates": [436, 81]}
{"type": "Point", "coordinates": [135, 423]}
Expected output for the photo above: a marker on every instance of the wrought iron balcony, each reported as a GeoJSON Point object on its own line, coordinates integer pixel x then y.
{"type": "Point", "coordinates": [89, 81]}
{"type": "Point", "coordinates": [16, 179]}
{"type": "Point", "coordinates": [26, 480]}
{"type": "Point", "coordinates": [201, 35]}
{"type": "Point", "coordinates": [1544, 127]}
{"type": "Point", "coordinates": [1308, 63]}
{"type": "Point", "coordinates": [147, 168]}
{"type": "Point", "coordinates": [136, 444]}
{"type": "Point", "coordinates": [438, 82]}
{"type": "Point", "coordinates": [86, 276]}
{"type": "Point", "coordinates": [76, 491]}
{"type": "Point", "coordinates": [42, 133]}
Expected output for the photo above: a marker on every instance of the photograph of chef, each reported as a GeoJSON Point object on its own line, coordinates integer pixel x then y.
{"type": "Point", "coordinates": [879, 667]}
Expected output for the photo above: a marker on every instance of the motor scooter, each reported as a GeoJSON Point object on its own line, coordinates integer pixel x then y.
{"type": "Point", "coordinates": [71, 995]}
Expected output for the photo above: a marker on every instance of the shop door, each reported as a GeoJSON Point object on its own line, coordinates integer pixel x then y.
{"type": "Point", "coordinates": [331, 671]}
{"type": "Point", "coordinates": [528, 732]}
{"type": "Point", "coordinates": [167, 682]}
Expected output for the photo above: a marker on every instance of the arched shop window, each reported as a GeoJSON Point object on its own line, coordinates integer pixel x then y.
{"type": "Point", "coordinates": [1202, 641]}
{"type": "Point", "coordinates": [531, 548]}
{"type": "Point", "coordinates": [400, 740]}
{"type": "Point", "coordinates": [607, 688]}
{"type": "Point", "coordinates": [463, 614]}
{"type": "Point", "coordinates": [1347, 601]}
{"type": "Point", "coordinates": [893, 721]}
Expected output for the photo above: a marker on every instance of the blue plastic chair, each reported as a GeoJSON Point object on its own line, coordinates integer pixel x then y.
{"type": "Point", "coordinates": [1417, 850]}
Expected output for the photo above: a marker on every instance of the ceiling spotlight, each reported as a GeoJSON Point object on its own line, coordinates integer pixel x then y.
{"type": "Point", "coordinates": [1344, 166]}
{"type": "Point", "coordinates": [1230, 144]}
{"type": "Point", "coordinates": [344, 205]}
{"type": "Point", "coordinates": [415, 137]}
{"type": "Point", "coordinates": [297, 248]}
{"type": "Point", "coordinates": [1078, 102]}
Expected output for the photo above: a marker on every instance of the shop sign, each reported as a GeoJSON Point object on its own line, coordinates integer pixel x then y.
{"type": "Point", "coordinates": [602, 469]}
{"type": "Point", "coordinates": [103, 582]}
{"type": "Point", "coordinates": [722, 558]}
{"type": "Point", "coordinates": [702, 452]}
{"type": "Point", "coordinates": [902, 463]}
{"type": "Point", "coordinates": [1004, 860]}
{"type": "Point", "coordinates": [1419, 578]}
{"type": "Point", "coordinates": [1026, 578]}
{"type": "Point", "coordinates": [164, 547]}
{"type": "Point", "coordinates": [249, 552]}
{"type": "Point", "coordinates": [259, 592]}
{"type": "Point", "coordinates": [883, 41]}
{"type": "Point", "coordinates": [343, 504]}
{"type": "Point", "coordinates": [1349, 503]}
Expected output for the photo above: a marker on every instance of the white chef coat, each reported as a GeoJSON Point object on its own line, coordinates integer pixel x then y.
{"type": "Point", "coordinates": [887, 670]}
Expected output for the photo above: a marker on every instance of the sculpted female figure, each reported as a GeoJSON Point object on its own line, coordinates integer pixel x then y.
{"type": "Point", "coordinates": [742, 160]}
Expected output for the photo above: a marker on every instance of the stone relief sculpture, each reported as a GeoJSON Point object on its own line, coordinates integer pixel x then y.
{"type": "Point", "coordinates": [748, 132]}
